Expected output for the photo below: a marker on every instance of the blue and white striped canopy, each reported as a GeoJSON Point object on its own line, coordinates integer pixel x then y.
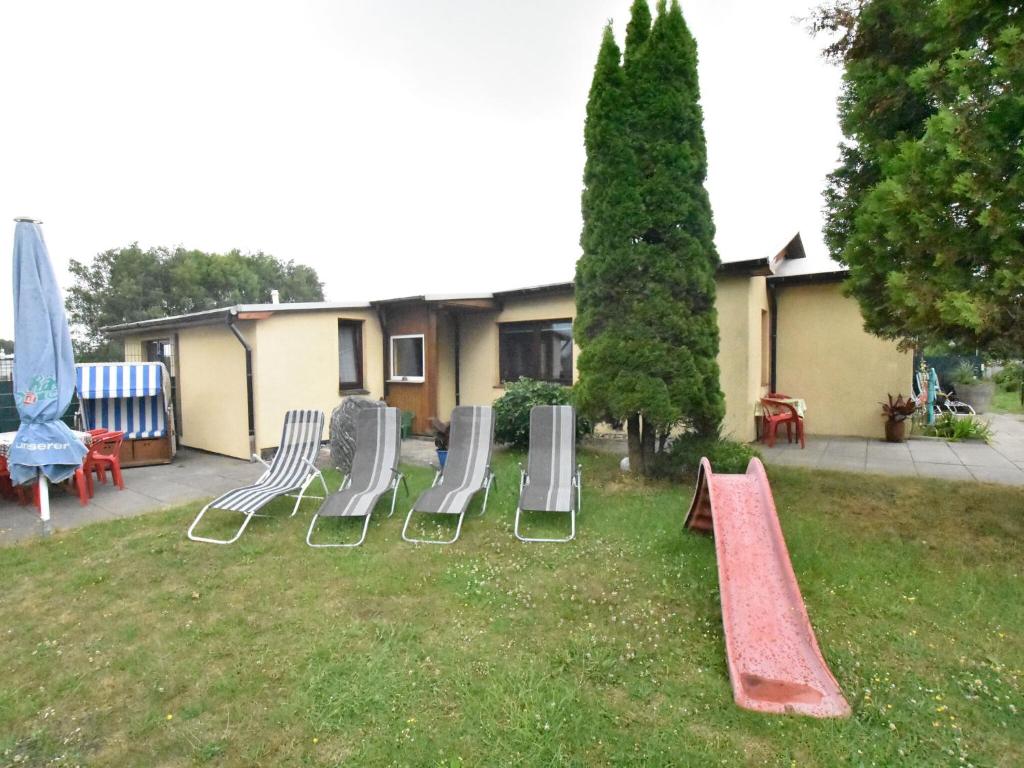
{"type": "Point", "coordinates": [125, 397]}
{"type": "Point", "coordinates": [98, 381]}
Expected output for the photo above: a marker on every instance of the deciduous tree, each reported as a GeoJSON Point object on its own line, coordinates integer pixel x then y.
{"type": "Point", "coordinates": [927, 207]}
{"type": "Point", "coordinates": [131, 284]}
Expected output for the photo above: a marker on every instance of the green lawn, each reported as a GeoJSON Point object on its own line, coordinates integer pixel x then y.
{"type": "Point", "coordinates": [123, 644]}
{"type": "Point", "coordinates": [1007, 402]}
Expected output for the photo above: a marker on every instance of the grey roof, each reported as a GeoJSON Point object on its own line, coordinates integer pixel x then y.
{"type": "Point", "coordinates": [787, 265]}
{"type": "Point", "coordinates": [221, 314]}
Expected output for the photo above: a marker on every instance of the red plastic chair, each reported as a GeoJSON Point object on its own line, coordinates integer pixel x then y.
{"type": "Point", "coordinates": [106, 453]}
{"type": "Point", "coordinates": [773, 413]}
{"type": "Point", "coordinates": [6, 489]}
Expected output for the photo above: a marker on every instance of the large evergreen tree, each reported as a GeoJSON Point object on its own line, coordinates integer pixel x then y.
{"type": "Point", "coordinates": [645, 289]}
{"type": "Point", "coordinates": [927, 207]}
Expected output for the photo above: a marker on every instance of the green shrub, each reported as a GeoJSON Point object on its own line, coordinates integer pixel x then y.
{"type": "Point", "coordinates": [1009, 379]}
{"type": "Point", "coordinates": [512, 410]}
{"type": "Point", "coordinates": [964, 374]}
{"type": "Point", "coordinates": [953, 427]}
{"type": "Point", "coordinates": [683, 455]}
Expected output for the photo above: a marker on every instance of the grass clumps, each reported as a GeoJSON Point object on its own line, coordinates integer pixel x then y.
{"type": "Point", "coordinates": [954, 427]}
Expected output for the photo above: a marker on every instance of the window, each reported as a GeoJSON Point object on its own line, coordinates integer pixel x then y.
{"type": "Point", "coordinates": [407, 358]}
{"type": "Point", "coordinates": [538, 350]}
{"type": "Point", "coordinates": [350, 354]}
{"type": "Point", "coordinates": [156, 351]}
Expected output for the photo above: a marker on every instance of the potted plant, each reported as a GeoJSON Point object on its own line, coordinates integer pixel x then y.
{"type": "Point", "coordinates": [971, 389]}
{"type": "Point", "coordinates": [896, 413]}
{"type": "Point", "coordinates": [442, 430]}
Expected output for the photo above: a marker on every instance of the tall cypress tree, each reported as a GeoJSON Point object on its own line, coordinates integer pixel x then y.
{"type": "Point", "coordinates": [645, 292]}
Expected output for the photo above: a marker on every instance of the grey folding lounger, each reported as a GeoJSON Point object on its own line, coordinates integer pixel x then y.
{"type": "Point", "coordinates": [551, 481]}
{"type": "Point", "coordinates": [374, 472]}
{"type": "Point", "coordinates": [466, 472]}
{"type": "Point", "coordinates": [292, 469]}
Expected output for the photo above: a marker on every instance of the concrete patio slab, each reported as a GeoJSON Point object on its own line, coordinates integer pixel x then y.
{"type": "Point", "coordinates": [932, 452]}
{"type": "Point", "coordinates": [905, 468]}
{"type": "Point", "coordinates": [999, 461]}
{"type": "Point", "coordinates": [998, 475]}
{"type": "Point", "coordinates": [980, 455]}
{"type": "Point", "coordinates": [943, 471]}
{"type": "Point", "coordinates": [841, 465]}
{"type": "Point", "coordinates": [193, 476]}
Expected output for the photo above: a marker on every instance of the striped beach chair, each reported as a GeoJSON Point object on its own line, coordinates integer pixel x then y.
{"type": "Point", "coordinates": [133, 398]}
{"type": "Point", "coordinates": [374, 472]}
{"type": "Point", "coordinates": [292, 469]}
{"type": "Point", "coordinates": [466, 472]}
{"type": "Point", "coordinates": [551, 481]}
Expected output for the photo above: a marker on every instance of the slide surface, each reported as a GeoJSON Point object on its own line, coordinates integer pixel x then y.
{"type": "Point", "coordinates": [774, 661]}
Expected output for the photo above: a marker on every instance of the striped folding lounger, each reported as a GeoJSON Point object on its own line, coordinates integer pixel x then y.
{"type": "Point", "coordinates": [466, 471]}
{"type": "Point", "coordinates": [374, 472]}
{"type": "Point", "coordinates": [552, 480]}
{"type": "Point", "coordinates": [292, 469]}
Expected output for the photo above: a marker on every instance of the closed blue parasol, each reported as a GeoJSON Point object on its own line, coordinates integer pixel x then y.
{"type": "Point", "coordinates": [44, 367]}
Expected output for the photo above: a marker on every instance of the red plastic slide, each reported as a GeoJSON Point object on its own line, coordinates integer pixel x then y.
{"type": "Point", "coordinates": [774, 661]}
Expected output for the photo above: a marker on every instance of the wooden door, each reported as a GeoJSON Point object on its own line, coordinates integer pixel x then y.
{"type": "Point", "coordinates": [406, 325]}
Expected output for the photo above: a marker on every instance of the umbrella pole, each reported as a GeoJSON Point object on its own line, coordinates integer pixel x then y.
{"type": "Point", "coordinates": [44, 503]}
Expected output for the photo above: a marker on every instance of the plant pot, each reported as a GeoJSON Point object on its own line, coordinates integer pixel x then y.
{"type": "Point", "coordinates": [442, 457]}
{"type": "Point", "coordinates": [978, 394]}
{"type": "Point", "coordinates": [895, 431]}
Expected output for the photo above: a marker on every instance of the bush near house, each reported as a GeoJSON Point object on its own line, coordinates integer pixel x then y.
{"type": "Point", "coordinates": [1009, 379]}
{"type": "Point", "coordinates": [512, 410]}
{"type": "Point", "coordinates": [682, 459]}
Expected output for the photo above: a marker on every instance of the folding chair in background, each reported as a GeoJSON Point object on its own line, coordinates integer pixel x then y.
{"type": "Point", "coordinates": [292, 469]}
{"type": "Point", "coordinates": [551, 481]}
{"type": "Point", "coordinates": [466, 471]}
{"type": "Point", "coordinates": [374, 472]}
{"type": "Point", "coordinates": [945, 402]}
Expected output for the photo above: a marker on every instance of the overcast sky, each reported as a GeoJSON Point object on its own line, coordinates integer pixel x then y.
{"type": "Point", "coordinates": [403, 147]}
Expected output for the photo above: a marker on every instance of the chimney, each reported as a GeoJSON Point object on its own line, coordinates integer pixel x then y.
{"type": "Point", "coordinates": [275, 296]}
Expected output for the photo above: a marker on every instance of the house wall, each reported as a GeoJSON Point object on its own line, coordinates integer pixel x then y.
{"type": "Point", "coordinates": [739, 303]}
{"type": "Point", "coordinates": [132, 349]}
{"type": "Point", "coordinates": [825, 356]}
{"type": "Point", "coordinates": [295, 366]}
{"type": "Point", "coordinates": [211, 390]}
{"type": "Point", "coordinates": [479, 368]}
{"type": "Point", "coordinates": [446, 364]}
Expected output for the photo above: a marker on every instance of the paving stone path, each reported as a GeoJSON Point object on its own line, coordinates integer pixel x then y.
{"type": "Point", "coordinates": [1001, 461]}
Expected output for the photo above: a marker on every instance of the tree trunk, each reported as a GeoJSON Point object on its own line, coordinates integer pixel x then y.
{"type": "Point", "coordinates": [647, 438]}
{"type": "Point", "coordinates": [636, 456]}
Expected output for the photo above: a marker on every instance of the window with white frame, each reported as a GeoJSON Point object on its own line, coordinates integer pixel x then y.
{"type": "Point", "coordinates": [407, 358]}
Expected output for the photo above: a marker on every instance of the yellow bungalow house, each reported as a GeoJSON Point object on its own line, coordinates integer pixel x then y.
{"type": "Point", "coordinates": [785, 327]}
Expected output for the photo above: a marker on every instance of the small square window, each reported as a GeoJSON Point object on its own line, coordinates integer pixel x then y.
{"type": "Point", "coordinates": [407, 358]}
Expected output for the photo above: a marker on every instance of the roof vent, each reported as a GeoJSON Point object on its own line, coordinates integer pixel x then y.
{"type": "Point", "coordinates": [275, 296]}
